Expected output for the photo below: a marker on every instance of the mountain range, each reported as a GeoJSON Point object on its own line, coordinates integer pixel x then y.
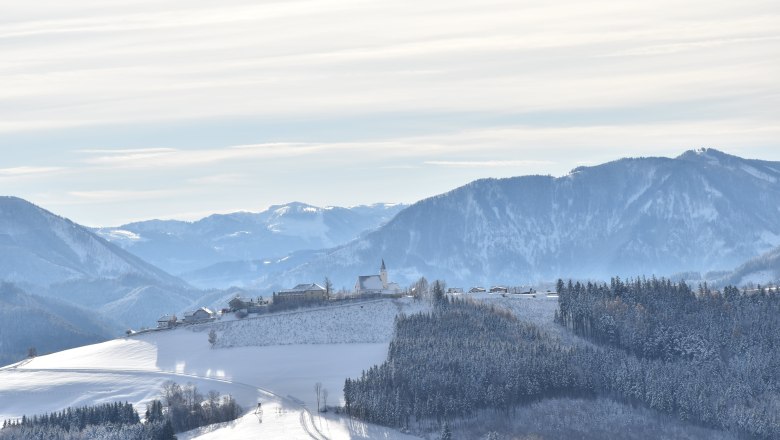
{"type": "Point", "coordinates": [183, 247]}
{"type": "Point", "coordinates": [702, 211]}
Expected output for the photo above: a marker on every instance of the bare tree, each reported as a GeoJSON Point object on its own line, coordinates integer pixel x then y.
{"type": "Point", "coordinates": [328, 288]}
{"type": "Point", "coordinates": [324, 400]}
{"type": "Point", "coordinates": [420, 288]}
{"type": "Point", "coordinates": [318, 393]}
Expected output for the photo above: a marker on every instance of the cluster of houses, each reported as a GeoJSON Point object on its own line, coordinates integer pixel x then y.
{"type": "Point", "coordinates": [312, 293]}
{"type": "Point", "coordinates": [202, 314]}
{"type": "Point", "coordinates": [494, 289]}
{"type": "Point", "coordinates": [366, 285]}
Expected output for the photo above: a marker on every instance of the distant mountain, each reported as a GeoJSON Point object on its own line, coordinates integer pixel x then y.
{"type": "Point", "coordinates": [704, 210]}
{"type": "Point", "coordinates": [46, 324]}
{"type": "Point", "coordinates": [53, 256]}
{"type": "Point", "coordinates": [245, 273]}
{"type": "Point", "coordinates": [181, 247]}
{"type": "Point", "coordinates": [763, 269]}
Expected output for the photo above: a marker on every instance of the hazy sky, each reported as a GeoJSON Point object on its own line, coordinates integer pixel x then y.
{"type": "Point", "coordinates": [123, 110]}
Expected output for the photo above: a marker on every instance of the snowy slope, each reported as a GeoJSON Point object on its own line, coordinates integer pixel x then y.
{"type": "Point", "coordinates": [704, 210]}
{"type": "Point", "coordinates": [763, 269]}
{"type": "Point", "coordinates": [39, 247]}
{"type": "Point", "coordinates": [180, 247]}
{"type": "Point", "coordinates": [280, 376]}
{"type": "Point", "coordinates": [51, 256]}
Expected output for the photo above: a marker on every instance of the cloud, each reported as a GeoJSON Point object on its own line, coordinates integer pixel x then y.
{"type": "Point", "coordinates": [487, 163]}
{"type": "Point", "coordinates": [114, 196]}
{"type": "Point", "coordinates": [27, 171]}
{"type": "Point", "coordinates": [180, 60]}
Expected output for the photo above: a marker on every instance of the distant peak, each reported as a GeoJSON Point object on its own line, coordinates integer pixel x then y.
{"type": "Point", "coordinates": [708, 154]}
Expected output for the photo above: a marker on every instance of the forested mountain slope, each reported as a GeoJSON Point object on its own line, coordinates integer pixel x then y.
{"type": "Point", "coordinates": [29, 321]}
{"type": "Point", "coordinates": [703, 210]}
{"type": "Point", "coordinates": [55, 257]}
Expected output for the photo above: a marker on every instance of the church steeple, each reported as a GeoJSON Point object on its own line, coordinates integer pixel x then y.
{"type": "Point", "coordinates": [383, 274]}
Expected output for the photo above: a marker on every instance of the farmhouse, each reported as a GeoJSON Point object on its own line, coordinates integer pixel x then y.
{"type": "Point", "coordinates": [201, 315]}
{"type": "Point", "coordinates": [376, 284]}
{"type": "Point", "coordinates": [166, 321]}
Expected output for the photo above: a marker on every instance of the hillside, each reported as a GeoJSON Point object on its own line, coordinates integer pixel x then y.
{"type": "Point", "coordinates": [703, 210]}
{"type": "Point", "coordinates": [260, 369]}
{"type": "Point", "coordinates": [55, 257]}
{"type": "Point", "coordinates": [180, 247]}
{"type": "Point", "coordinates": [46, 324]}
{"type": "Point", "coordinates": [763, 269]}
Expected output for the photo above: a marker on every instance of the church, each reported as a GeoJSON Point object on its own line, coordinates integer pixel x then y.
{"type": "Point", "coordinates": [376, 284]}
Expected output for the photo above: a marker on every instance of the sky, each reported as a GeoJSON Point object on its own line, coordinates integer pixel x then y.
{"type": "Point", "coordinates": [118, 111]}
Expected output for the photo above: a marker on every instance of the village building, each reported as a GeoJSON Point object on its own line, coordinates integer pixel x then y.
{"type": "Point", "coordinates": [248, 305]}
{"type": "Point", "coordinates": [202, 314]}
{"type": "Point", "coordinates": [499, 289]}
{"type": "Point", "coordinates": [166, 321]}
{"type": "Point", "coordinates": [477, 290]}
{"type": "Point", "coordinates": [301, 293]}
{"type": "Point", "coordinates": [377, 284]}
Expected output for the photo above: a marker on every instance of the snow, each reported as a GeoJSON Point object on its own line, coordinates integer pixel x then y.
{"type": "Point", "coordinates": [281, 376]}
{"type": "Point", "coordinates": [359, 322]}
{"type": "Point", "coordinates": [758, 174]}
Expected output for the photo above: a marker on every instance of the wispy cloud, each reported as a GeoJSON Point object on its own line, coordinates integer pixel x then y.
{"type": "Point", "coordinates": [113, 196]}
{"type": "Point", "coordinates": [487, 163]}
{"type": "Point", "coordinates": [27, 171]}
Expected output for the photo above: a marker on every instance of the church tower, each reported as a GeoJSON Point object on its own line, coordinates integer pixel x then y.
{"type": "Point", "coordinates": [383, 274]}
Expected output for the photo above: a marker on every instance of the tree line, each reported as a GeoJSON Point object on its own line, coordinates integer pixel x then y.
{"type": "Point", "coordinates": [710, 357]}
{"type": "Point", "coordinates": [182, 408]}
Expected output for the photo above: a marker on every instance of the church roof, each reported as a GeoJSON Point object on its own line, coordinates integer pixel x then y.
{"type": "Point", "coordinates": [370, 282]}
{"type": "Point", "coordinates": [383, 265]}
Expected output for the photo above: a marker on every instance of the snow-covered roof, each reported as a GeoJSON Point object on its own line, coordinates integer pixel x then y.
{"type": "Point", "coordinates": [205, 309]}
{"type": "Point", "coordinates": [301, 288]}
{"type": "Point", "coordinates": [370, 282]}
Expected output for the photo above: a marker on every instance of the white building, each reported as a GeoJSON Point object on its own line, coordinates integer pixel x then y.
{"type": "Point", "coordinates": [377, 284]}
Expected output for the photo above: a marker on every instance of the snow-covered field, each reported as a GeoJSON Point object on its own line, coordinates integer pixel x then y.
{"type": "Point", "coordinates": [280, 375]}
{"type": "Point", "coordinates": [360, 322]}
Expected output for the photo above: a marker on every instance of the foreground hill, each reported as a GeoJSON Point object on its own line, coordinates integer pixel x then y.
{"type": "Point", "coordinates": [704, 210]}
{"type": "Point", "coordinates": [53, 256]}
{"type": "Point", "coordinates": [275, 359]}
{"type": "Point", "coordinates": [179, 246]}
{"type": "Point", "coordinates": [47, 325]}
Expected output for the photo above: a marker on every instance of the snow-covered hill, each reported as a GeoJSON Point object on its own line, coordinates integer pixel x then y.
{"type": "Point", "coordinates": [763, 269]}
{"type": "Point", "coordinates": [179, 247]}
{"type": "Point", "coordinates": [52, 256]}
{"type": "Point", "coordinates": [280, 376]}
{"type": "Point", "coordinates": [704, 210]}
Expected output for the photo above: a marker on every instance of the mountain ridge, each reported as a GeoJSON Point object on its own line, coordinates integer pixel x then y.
{"type": "Point", "coordinates": [182, 247]}
{"type": "Point", "coordinates": [625, 217]}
